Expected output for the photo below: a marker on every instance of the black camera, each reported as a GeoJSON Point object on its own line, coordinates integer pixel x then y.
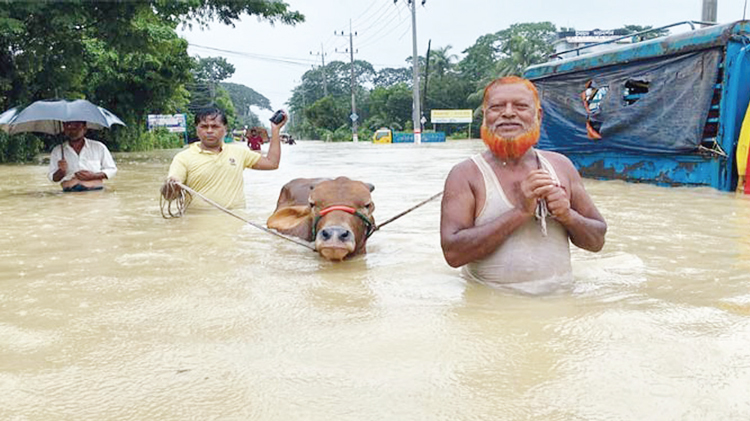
{"type": "Point", "coordinates": [278, 117]}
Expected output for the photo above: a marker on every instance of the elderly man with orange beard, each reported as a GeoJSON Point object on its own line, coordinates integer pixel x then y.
{"type": "Point", "coordinates": [508, 213]}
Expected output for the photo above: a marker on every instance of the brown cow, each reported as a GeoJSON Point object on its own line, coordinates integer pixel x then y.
{"type": "Point", "coordinates": [335, 214]}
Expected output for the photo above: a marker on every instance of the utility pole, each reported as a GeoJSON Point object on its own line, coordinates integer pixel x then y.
{"type": "Point", "coordinates": [709, 10]}
{"type": "Point", "coordinates": [416, 112]}
{"type": "Point", "coordinates": [322, 55]}
{"type": "Point", "coordinates": [426, 76]}
{"type": "Point", "coordinates": [353, 116]}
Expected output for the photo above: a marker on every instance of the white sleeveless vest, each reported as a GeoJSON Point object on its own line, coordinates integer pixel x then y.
{"type": "Point", "coordinates": [527, 261]}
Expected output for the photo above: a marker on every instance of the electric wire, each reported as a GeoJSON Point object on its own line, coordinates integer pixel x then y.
{"type": "Point", "coordinates": [394, 24]}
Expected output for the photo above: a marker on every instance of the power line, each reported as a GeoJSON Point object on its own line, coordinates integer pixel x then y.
{"type": "Point", "coordinates": [373, 3]}
{"type": "Point", "coordinates": [392, 25]}
{"type": "Point", "coordinates": [386, 32]}
{"type": "Point", "coordinates": [284, 60]}
{"type": "Point", "coordinates": [377, 20]}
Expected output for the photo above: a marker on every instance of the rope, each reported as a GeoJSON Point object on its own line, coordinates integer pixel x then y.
{"type": "Point", "coordinates": [434, 196]}
{"type": "Point", "coordinates": [182, 205]}
{"type": "Point", "coordinates": [541, 211]}
{"type": "Point", "coordinates": [185, 197]}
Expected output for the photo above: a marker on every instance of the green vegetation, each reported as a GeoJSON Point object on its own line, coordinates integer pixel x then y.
{"type": "Point", "coordinates": [124, 56]}
{"type": "Point", "coordinates": [384, 97]}
{"type": "Point", "coordinates": [128, 58]}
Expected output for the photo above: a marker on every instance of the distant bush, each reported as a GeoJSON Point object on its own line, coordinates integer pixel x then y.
{"type": "Point", "coordinates": [132, 139]}
{"type": "Point", "coordinates": [19, 147]}
{"type": "Point", "coordinates": [458, 135]}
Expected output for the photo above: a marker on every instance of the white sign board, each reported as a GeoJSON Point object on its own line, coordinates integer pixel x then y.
{"type": "Point", "coordinates": [175, 123]}
{"type": "Point", "coordinates": [451, 116]}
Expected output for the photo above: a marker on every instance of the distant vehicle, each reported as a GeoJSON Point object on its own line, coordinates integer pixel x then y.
{"type": "Point", "coordinates": [382, 135]}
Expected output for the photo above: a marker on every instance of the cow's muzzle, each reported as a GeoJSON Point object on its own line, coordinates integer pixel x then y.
{"type": "Point", "coordinates": [335, 242]}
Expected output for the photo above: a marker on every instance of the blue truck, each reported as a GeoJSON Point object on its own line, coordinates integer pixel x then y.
{"type": "Point", "coordinates": [667, 111]}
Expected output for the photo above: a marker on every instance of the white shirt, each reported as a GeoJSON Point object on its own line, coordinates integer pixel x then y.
{"type": "Point", "coordinates": [94, 157]}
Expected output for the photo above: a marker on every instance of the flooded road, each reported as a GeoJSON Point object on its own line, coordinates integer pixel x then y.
{"type": "Point", "coordinates": [110, 312]}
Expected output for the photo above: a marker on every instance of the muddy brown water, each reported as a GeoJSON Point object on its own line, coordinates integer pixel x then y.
{"type": "Point", "coordinates": [110, 312]}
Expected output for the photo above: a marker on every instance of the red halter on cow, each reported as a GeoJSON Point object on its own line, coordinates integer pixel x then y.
{"type": "Point", "coordinates": [335, 214]}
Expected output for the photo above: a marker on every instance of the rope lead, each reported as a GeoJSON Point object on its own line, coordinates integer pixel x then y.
{"type": "Point", "coordinates": [185, 197]}
{"type": "Point", "coordinates": [182, 205]}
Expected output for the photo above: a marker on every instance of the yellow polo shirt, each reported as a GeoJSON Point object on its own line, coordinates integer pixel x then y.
{"type": "Point", "coordinates": [217, 176]}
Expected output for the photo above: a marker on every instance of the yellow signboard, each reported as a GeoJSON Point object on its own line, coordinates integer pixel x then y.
{"type": "Point", "coordinates": [451, 116]}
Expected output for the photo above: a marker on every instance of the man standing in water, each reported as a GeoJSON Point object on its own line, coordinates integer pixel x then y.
{"type": "Point", "coordinates": [508, 212]}
{"type": "Point", "coordinates": [80, 164]}
{"type": "Point", "coordinates": [214, 168]}
{"type": "Point", "coordinates": [254, 140]}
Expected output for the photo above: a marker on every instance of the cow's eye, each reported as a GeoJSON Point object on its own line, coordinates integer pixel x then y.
{"type": "Point", "coordinates": [369, 205]}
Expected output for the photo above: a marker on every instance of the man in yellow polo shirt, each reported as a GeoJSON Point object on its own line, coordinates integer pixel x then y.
{"type": "Point", "coordinates": [213, 168]}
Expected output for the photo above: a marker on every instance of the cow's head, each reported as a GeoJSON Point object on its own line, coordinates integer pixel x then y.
{"type": "Point", "coordinates": [341, 217]}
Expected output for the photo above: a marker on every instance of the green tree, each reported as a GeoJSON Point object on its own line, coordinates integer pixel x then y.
{"type": "Point", "coordinates": [205, 89]}
{"type": "Point", "coordinates": [390, 106]}
{"type": "Point", "coordinates": [522, 45]}
{"type": "Point", "coordinates": [310, 92]}
{"type": "Point", "coordinates": [326, 113]}
{"type": "Point", "coordinates": [480, 58]}
{"type": "Point", "coordinates": [125, 56]}
{"type": "Point", "coordinates": [441, 62]}
{"type": "Point", "coordinates": [514, 49]}
{"type": "Point", "coordinates": [390, 76]}
{"type": "Point", "coordinates": [243, 98]}
{"type": "Point", "coordinates": [213, 69]}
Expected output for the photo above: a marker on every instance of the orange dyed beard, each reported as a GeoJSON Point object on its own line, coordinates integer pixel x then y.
{"type": "Point", "coordinates": [510, 148]}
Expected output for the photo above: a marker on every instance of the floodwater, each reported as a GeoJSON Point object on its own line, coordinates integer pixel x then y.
{"type": "Point", "coordinates": [110, 312]}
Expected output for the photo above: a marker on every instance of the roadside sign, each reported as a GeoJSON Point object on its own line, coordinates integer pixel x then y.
{"type": "Point", "coordinates": [174, 123]}
{"type": "Point", "coordinates": [354, 117]}
{"type": "Point", "coordinates": [451, 116]}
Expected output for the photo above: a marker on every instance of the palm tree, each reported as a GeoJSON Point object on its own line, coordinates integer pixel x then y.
{"type": "Point", "coordinates": [441, 62]}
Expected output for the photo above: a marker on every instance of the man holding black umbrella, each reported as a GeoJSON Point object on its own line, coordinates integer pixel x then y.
{"type": "Point", "coordinates": [80, 164]}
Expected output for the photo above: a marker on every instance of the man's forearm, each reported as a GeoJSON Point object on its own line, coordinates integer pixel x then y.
{"type": "Point", "coordinates": [586, 233]}
{"type": "Point", "coordinates": [274, 149]}
{"type": "Point", "coordinates": [477, 242]}
{"type": "Point", "coordinates": [58, 175]}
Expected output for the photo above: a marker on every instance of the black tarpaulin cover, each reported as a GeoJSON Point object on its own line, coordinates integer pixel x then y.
{"type": "Point", "coordinates": [668, 118]}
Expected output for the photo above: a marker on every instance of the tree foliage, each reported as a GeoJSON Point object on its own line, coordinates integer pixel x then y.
{"type": "Point", "coordinates": [243, 98]}
{"type": "Point", "coordinates": [125, 56]}
{"type": "Point", "coordinates": [213, 69]}
{"type": "Point", "coordinates": [384, 97]}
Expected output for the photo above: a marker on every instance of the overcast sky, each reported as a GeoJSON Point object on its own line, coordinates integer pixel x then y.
{"type": "Point", "coordinates": [272, 59]}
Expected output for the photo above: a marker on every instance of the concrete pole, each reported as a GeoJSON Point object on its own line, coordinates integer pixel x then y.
{"type": "Point", "coordinates": [416, 112]}
{"type": "Point", "coordinates": [323, 68]}
{"type": "Point", "coordinates": [709, 10]}
{"type": "Point", "coordinates": [355, 137]}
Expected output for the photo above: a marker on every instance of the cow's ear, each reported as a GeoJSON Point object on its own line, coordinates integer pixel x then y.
{"type": "Point", "coordinates": [370, 186]}
{"type": "Point", "coordinates": [288, 218]}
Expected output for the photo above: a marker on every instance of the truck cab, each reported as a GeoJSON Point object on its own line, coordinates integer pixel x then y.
{"type": "Point", "coordinates": [382, 135]}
